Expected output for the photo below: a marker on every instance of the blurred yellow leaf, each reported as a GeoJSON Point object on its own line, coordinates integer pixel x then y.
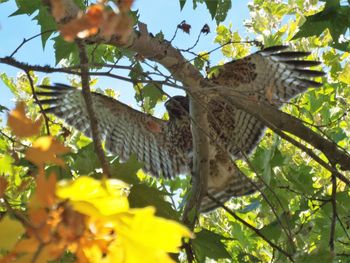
{"type": "Point", "coordinates": [20, 124]}
{"type": "Point", "coordinates": [144, 237]}
{"type": "Point", "coordinates": [11, 230]}
{"type": "Point", "coordinates": [45, 150]}
{"type": "Point", "coordinates": [91, 197]}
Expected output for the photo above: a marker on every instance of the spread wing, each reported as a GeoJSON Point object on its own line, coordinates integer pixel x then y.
{"type": "Point", "coordinates": [273, 75]}
{"type": "Point", "coordinates": [124, 130]}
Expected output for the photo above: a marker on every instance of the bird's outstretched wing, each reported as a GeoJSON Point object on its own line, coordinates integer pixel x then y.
{"type": "Point", "coordinates": [124, 130]}
{"type": "Point", "coordinates": [273, 75]}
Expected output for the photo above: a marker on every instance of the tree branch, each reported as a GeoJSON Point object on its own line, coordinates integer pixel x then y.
{"type": "Point", "coordinates": [334, 212]}
{"type": "Point", "coordinates": [89, 108]}
{"type": "Point", "coordinates": [273, 117]}
{"type": "Point", "coordinates": [46, 120]}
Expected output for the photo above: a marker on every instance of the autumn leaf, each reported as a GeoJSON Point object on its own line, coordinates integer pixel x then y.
{"type": "Point", "coordinates": [125, 5]}
{"type": "Point", "coordinates": [45, 150]}
{"type": "Point", "coordinates": [57, 9]}
{"type": "Point", "coordinates": [184, 27]}
{"type": "Point", "coordinates": [90, 196]}
{"type": "Point", "coordinates": [85, 25]}
{"type": "Point", "coordinates": [139, 239]}
{"type": "Point", "coordinates": [20, 124]}
{"type": "Point", "coordinates": [11, 230]}
{"type": "Point", "coordinates": [98, 19]}
{"type": "Point", "coordinates": [45, 190]}
{"type": "Point", "coordinates": [119, 25]}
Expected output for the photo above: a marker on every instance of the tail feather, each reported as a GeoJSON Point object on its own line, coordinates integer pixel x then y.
{"type": "Point", "coordinates": [237, 185]}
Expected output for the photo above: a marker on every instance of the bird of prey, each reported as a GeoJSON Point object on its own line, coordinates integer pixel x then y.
{"type": "Point", "coordinates": [165, 147]}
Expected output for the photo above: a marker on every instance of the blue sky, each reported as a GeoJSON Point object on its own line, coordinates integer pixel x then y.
{"type": "Point", "coordinates": [158, 15]}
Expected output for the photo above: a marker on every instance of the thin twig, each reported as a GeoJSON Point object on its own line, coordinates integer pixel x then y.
{"type": "Point", "coordinates": [13, 140]}
{"type": "Point", "coordinates": [70, 70]}
{"type": "Point", "coordinates": [29, 39]}
{"type": "Point", "coordinates": [175, 33]}
{"type": "Point", "coordinates": [194, 45]}
{"type": "Point", "coordinates": [285, 229]}
{"type": "Point", "coordinates": [46, 119]}
{"type": "Point", "coordinates": [343, 227]}
{"type": "Point", "coordinates": [334, 212]}
{"type": "Point", "coordinates": [89, 107]}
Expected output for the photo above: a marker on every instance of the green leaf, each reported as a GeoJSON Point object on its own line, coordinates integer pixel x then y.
{"type": "Point", "coordinates": [85, 161]}
{"type": "Point", "coordinates": [321, 255]}
{"type": "Point", "coordinates": [201, 59]}
{"type": "Point", "coordinates": [333, 17]}
{"type": "Point", "coordinates": [142, 195]}
{"type": "Point", "coordinates": [9, 83]}
{"type": "Point", "coordinates": [3, 108]}
{"type": "Point", "coordinates": [63, 49]}
{"type": "Point", "coordinates": [26, 7]}
{"type": "Point", "coordinates": [154, 93]}
{"type": "Point", "coordinates": [344, 76]}
{"type": "Point", "coordinates": [126, 171]}
{"type": "Point", "coordinates": [345, 46]}
{"type": "Point", "coordinates": [272, 231]}
{"type": "Point", "coordinates": [46, 22]}
{"type": "Point", "coordinates": [6, 164]}
{"type": "Point", "coordinates": [182, 4]}
{"type": "Point", "coordinates": [212, 6]}
{"type": "Point", "coordinates": [207, 244]}
{"type": "Point", "coordinates": [223, 7]}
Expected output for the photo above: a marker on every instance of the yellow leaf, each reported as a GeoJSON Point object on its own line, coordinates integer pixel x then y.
{"type": "Point", "coordinates": [144, 237]}
{"type": "Point", "coordinates": [345, 75]}
{"type": "Point", "coordinates": [20, 124]}
{"type": "Point", "coordinates": [166, 236]}
{"type": "Point", "coordinates": [45, 150]}
{"type": "Point", "coordinates": [11, 230]}
{"type": "Point", "coordinates": [90, 196]}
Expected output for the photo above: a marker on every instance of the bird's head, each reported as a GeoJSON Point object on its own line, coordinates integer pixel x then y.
{"type": "Point", "coordinates": [177, 107]}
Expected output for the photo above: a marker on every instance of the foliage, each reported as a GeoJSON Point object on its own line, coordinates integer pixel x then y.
{"type": "Point", "coordinates": [57, 204]}
{"type": "Point", "coordinates": [88, 217]}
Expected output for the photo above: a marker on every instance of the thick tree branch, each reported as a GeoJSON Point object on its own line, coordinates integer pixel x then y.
{"type": "Point", "coordinates": [89, 107]}
{"type": "Point", "coordinates": [271, 116]}
{"type": "Point", "coordinates": [200, 169]}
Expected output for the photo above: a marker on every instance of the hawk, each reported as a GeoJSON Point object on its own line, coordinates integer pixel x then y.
{"type": "Point", "coordinates": [165, 147]}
